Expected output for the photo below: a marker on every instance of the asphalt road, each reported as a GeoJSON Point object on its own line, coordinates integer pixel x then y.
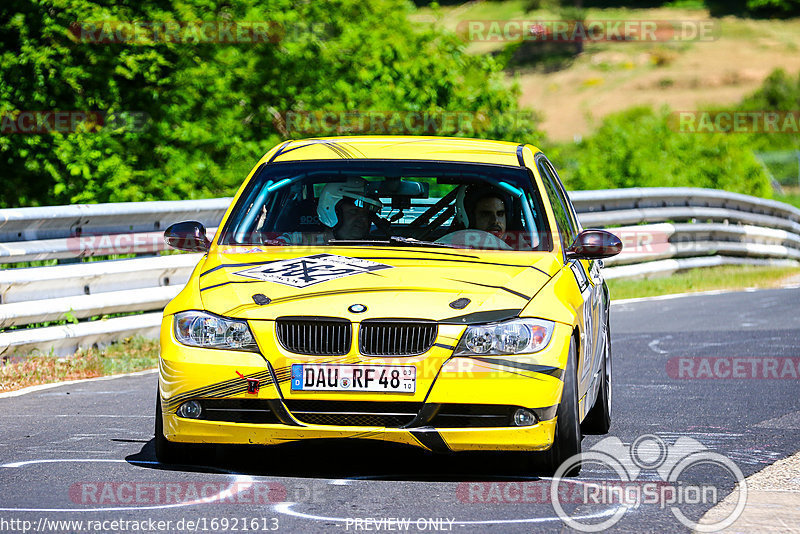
{"type": "Point", "coordinates": [682, 372]}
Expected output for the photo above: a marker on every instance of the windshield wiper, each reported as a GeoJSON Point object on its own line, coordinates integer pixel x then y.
{"type": "Point", "coordinates": [393, 240]}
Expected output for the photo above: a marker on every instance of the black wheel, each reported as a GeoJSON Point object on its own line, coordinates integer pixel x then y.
{"type": "Point", "coordinates": [567, 440]}
{"type": "Point", "coordinates": [168, 452]}
{"type": "Point", "coordinates": [598, 420]}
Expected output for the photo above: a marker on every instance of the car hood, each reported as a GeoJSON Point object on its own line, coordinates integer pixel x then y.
{"type": "Point", "coordinates": [446, 285]}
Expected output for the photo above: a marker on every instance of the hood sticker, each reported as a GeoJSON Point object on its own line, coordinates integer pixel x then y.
{"type": "Point", "coordinates": [309, 270]}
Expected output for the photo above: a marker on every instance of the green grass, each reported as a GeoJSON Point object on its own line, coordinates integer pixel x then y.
{"type": "Point", "coordinates": [129, 355]}
{"type": "Point", "coordinates": [706, 279]}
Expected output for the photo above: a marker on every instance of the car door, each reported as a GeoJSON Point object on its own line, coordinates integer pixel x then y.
{"type": "Point", "coordinates": [589, 280]}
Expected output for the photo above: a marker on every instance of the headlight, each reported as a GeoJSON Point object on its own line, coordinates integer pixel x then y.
{"type": "Point", "coordinates": [201, 329]}
{"type": "Point", "coordinates": [517, 336]}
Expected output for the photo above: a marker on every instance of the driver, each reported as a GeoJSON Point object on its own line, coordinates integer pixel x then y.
{"type": "Point", "coordinates": [489, 215]}
{"type": "Point", "coordinates": [345, 209]}
{"type": "Point", "coordinates": [483, 208]}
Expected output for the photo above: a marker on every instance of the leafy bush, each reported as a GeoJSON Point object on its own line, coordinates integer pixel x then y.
{"type": "Point", "coordinates": [641, 148]}
{"type": "Point", "coordinates": [780, 92]}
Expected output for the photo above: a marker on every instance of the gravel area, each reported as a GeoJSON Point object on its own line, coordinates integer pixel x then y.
{"type": "Point", "coordinates": [773, 501]}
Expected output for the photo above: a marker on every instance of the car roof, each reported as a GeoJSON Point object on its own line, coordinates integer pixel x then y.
{"type": "Point", "coordinates": [398, 147]}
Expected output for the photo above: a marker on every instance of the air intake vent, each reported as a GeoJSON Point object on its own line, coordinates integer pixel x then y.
{"type": "Point", "coordinates": [317, 336]}
{"type": "Point", "coordinates": [354, 413]}
{"type": "Point", "coordinates": [255, 411]}
{"type": "Point", "coordinates": [394, 338]}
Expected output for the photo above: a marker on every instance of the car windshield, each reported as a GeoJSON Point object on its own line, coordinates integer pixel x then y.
{"type": "Point", "coordinates": [397, 203]}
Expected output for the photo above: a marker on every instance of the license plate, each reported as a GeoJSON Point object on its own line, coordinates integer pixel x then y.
{"type": "Point", "coordinates": [327, 377]}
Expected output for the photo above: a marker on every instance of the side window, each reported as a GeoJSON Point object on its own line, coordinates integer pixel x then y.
{"type": "Point", "coordinates": [566, 229]}
{"type": "Point", "coordinates": [560, 187]}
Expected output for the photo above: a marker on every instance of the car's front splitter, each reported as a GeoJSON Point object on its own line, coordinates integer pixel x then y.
{"type": "Point", "coordinates": [531, 438]}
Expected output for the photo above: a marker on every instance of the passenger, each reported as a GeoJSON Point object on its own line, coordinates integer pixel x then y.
{"type": "Point", "coordinates": [345, 209]}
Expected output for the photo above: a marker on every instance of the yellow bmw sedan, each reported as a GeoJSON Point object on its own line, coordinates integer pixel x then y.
{"type": "Point", "coordinates": [433, 292]}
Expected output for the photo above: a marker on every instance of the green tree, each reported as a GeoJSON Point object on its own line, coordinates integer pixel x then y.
{"type": "Point", "coordinates": [214, 108]}
{"type": "Point", "coordinates": [780, 92]}
{"type": "Point", "coordinates": [643, 148]}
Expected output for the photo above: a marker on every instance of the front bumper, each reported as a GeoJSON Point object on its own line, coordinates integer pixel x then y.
{"type": "Point", "coordinates": [446, 386]}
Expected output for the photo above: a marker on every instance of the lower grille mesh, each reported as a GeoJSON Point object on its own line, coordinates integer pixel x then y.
{"type": "Point", "coordinates": [472, 416]}
{"type": "Point", "coordinates": [346, 413]}
{"type": "Point", "coordinates": [256, 411]}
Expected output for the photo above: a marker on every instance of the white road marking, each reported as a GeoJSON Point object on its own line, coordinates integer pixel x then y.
{"type": "Point", "coordinates": [68, 451]}
{"type": "Point", "coordinates": [63, 460]}
{"type": "Point", "coordinates": [43, 387]}
{"type": "Point", "coordinates": [240, 483]}
{"type": "Point", "coordinates": [653, 345]}
{"type": "Point", "coordinates": [698, 293]}
{"type": "Point", "coordinates": [670, 297]}
{"type": "Point", "coordinates": [90, 415]}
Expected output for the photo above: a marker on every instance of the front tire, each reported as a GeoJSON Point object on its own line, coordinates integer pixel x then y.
{"type": "Point", "coordinates": [567, 438]}
{"type": "Point", "coordinates": [598, 420]}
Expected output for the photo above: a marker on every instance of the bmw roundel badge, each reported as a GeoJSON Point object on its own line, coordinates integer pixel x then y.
{"type": "Point", "coordinates": [357, 308]}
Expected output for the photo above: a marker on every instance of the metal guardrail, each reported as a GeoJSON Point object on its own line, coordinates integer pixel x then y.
{"type": "Point", "coordinates": [664, 230]}
{"type": "Point", "coordinates": [704, 224]}
{"type": "Point", "coordinates": [28, 285]}
{"type": "Point", "coordinates": [604, 200]}
{"type": "Point", "coordinates": [29, 224]}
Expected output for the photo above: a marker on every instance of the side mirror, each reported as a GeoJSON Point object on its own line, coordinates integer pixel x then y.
{"type": "Point", "coordinates": [189, 236]}
{"type": "Point", "coordinates": [593, 245]}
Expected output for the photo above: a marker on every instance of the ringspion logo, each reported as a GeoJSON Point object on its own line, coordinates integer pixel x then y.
{"type": "Point", "coordinates": [674, 491]}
